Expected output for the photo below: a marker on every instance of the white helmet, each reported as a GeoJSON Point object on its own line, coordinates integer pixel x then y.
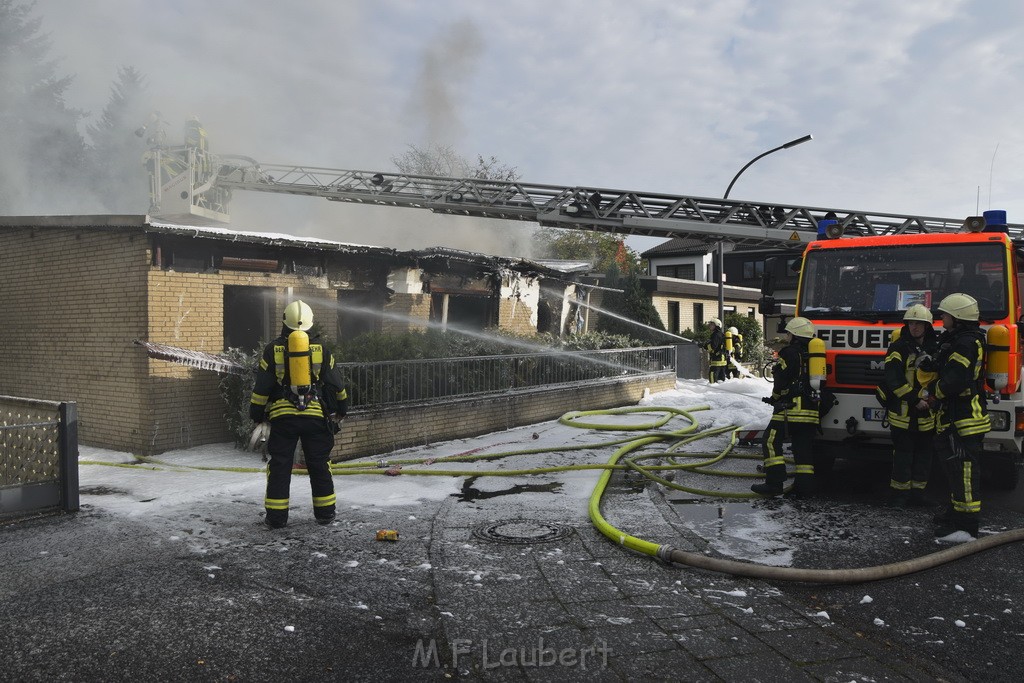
{"type": "Point", "coordinates": [733, 330]}
{"type": "Point", "coordinates": [919, 313]}
{"type": "Point", "coordinates": [716, 322]}
{"type": "Point", "coordinates": [298, 316]}
{"type": "Point", "coordinates": [960, 306]}
{"type": "Point", "coordinates": [800, 327]}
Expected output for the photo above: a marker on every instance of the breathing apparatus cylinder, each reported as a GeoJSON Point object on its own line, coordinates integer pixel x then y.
{"type": "Point", "coordinates": [728, 342]}
{"type": "Point", "coordinates": [816, 368]}
{"type": "Point", "coordinates": [300, 365]}
{"type": "Point", "coordinates": [997, 361]}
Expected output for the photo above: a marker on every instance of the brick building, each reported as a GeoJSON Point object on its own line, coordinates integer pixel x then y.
{"type": "Point", "coordinates": [79, 290]}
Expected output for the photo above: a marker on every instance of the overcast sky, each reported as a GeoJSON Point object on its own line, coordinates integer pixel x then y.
{"type": "Point", "coordinates": [915, 105]}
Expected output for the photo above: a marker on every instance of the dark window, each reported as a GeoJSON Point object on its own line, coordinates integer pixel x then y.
{"type": "Point", "coordinates": [468, 311]}
{"type": "Point", "coordinates": [698, 315]}
{"type": "Point", "coordinates": [685, 271]}
{"type": "Point", "coordinates": [247, 317]}
{"type": "Point", "coordinates": [359, 312]}
{"type": "Point", "coordinates": [752, 269]}
{"type": "Point", "coordinates": [673, 317]}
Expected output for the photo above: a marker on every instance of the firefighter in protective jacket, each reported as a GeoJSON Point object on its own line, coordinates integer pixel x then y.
{"type": "Point", "coordinates": [716, 351]}
{"type": "Point", "coordinates": [302, 395]}
{"type": "Point", "coordinates": [794, 416]}
{"type": "Point", "coordinates": [903, 391]}
{"type": "Point", "coordinates": [962, 418]}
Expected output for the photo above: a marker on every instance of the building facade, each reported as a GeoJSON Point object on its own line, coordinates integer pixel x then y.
{"type": "Point", "coordinates": [81, 289]}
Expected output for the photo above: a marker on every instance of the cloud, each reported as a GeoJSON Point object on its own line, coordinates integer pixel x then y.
{"type": "Point", "coordinates": [907, 101]}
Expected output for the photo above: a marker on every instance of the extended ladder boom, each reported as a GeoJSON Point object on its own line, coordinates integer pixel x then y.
{"type": "Point", "coordinates": [194, 192]}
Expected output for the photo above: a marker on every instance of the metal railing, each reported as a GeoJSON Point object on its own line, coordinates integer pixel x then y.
{"type": "Point", "coordinates": [38, 455]}
{"type": "Point", "coordinates": [415, 381]}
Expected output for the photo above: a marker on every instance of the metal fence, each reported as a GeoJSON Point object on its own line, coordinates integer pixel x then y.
{"type": "Point", "coordinates": [414, 381]}
{"type": "Point", "coordinates": [38, 455]}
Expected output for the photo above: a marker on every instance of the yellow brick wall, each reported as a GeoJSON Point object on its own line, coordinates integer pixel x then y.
{"type": "Point", "coordinates": [187, 310]}
{"type": "Point", "coordinates": [381, 431]}
{"type": "Point", "coordinates": [74, 301]}
{"type": "Point", "coordinates": [514, 316]}
{"type": "Point", "coordinates": [406, 309]}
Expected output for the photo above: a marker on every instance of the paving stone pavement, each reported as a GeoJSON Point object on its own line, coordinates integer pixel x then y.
{"type": "Point", "coordinates": [204, 592]}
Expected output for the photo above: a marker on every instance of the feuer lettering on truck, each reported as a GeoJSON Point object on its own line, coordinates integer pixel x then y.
{"type": "Point", "coordinates": [855, 338]}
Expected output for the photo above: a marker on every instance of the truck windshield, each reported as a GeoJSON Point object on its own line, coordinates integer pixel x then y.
{"type": "Point", "coordinates": [879, 283]}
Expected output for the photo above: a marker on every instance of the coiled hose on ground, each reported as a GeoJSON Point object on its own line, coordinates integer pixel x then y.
{"type": "Point", "coordinates": [626, 446]}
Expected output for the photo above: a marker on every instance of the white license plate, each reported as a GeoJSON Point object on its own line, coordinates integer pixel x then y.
{"type": "Point", "coordinates": [874, 414]}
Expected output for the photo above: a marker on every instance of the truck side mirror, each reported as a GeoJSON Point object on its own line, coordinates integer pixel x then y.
{"type": "Point", "coordinates": [768, 305]}
{"type": "Point", "coordinates": [768, 276]}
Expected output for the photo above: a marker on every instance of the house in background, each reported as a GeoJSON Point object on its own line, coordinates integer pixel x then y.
{"type": "Point", "coordinates": [684, 288]}
{"type": "Point", "coordinates": [81, 289]}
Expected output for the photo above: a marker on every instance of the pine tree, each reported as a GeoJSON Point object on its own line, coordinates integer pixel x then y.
{"type": "Point", "coordinates": [115, 158]}
{"type": "Point", "coordinates": [42, 154]}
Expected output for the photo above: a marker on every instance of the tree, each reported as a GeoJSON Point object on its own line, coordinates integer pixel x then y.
{"type": "Point", "coordinates": [444, 161]}
{"type": "Point", "coordinates": [634, 304]}
{"type": "Point", "coordinates": [115, 158]}
{"type": "Point", "coordinates": [42, 154]}
{"type": "Point", "coordinates": [606, 252]}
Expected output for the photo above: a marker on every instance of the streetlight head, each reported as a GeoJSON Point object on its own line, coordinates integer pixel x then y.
{"type": "Point", "coordinates": [798, 141]}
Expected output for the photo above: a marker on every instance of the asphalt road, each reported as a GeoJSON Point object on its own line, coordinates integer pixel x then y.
{"type": "Point", "coordinates": [967, 616]}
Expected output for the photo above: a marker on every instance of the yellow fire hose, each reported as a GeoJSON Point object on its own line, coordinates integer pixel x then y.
{"type": "Point", "coordinates": [626, 446]}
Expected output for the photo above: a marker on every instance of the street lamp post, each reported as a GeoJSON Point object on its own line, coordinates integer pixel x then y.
{"type": "Point", "coordinates": [720, 251]}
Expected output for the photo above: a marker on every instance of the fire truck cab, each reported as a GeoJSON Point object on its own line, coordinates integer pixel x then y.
{"type": "Point", "coordinates": [856, 290]}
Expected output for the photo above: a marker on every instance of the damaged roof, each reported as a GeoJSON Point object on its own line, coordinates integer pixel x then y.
{"type": "Point", "coordinates": [146, 225]}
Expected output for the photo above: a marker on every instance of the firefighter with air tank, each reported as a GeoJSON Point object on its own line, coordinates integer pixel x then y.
{"type": "Point", "coordinates": [716, 351]}
{"type": "Point", "coordinates": [799, 376]}
{"type": "Point", "coordinates": [902, 393]}
{"type": "Point", "coordinates": [301, 394]}
{"type": "Point", "coordinates": [961, 416]}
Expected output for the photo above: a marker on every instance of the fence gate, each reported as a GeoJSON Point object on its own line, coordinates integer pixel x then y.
{"type": "Point", "coordinates": [38, 456]}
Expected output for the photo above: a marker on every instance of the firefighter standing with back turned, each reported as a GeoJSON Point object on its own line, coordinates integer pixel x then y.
{"type": "Point", "coordinates": [302, 395]}
{"type": "Point", "coordinates": [794, 416]}
{"type": "Point", "coordinates": [911, 423]}
{"type": "Point", "coordinates": [962, 418]}
{"type": "Point", "coordinates": [737, 351]}
{"type": "Point", "coordinates": [716, 351]}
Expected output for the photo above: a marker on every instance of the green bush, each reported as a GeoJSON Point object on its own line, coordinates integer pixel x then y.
{"type": "Point", "coordinates": [236, 390]}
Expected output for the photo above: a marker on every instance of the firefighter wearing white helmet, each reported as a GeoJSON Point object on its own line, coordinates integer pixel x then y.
{"type": "Point", "coordinates": [961, 420]}
{"type": "Point", "coordinates": [902, 393]}
{"type": "Point", "coordinates": [716, 351]}
{"type": "Point", "coordinates": [794, 416]}
{"type": "Point", "coordinates": [737, 350]}
{"type": "Point", "coordinates": [300, 392]}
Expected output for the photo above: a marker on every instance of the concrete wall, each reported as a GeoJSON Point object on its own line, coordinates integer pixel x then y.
{"type": "Point", "coordinates": [371, 432]}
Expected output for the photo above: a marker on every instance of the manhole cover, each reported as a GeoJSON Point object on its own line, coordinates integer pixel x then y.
{"type": "Point", "coordinates": [522, 531]}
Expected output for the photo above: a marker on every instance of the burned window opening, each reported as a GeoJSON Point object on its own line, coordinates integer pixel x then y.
{"type": "Point", "coordinates": [247, 316]}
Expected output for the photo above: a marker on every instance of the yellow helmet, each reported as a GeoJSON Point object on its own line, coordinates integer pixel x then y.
{"type": "Point", "coordinates": [919, 313]}
{"type": "Point", "coordinates": [800, 327]}
{"type": "Point", "coordinates": [298, 316]}
{"type": "Point", "coordinates": [960, 306]}
{"type": "Point", "coordinates": [716, 322]}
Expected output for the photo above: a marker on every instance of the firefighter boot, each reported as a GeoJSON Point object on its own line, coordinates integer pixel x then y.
{"type": "Point", "coordinates": [772, 486]}
{"type": "Point", "coordinates": [917, 498]}
{"type": "Point", "coordinates": [803, 487]}
{"type": "Point", "coordinates": [944, 516]}
{"type": "Point", "coordinates": [958, 522]}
